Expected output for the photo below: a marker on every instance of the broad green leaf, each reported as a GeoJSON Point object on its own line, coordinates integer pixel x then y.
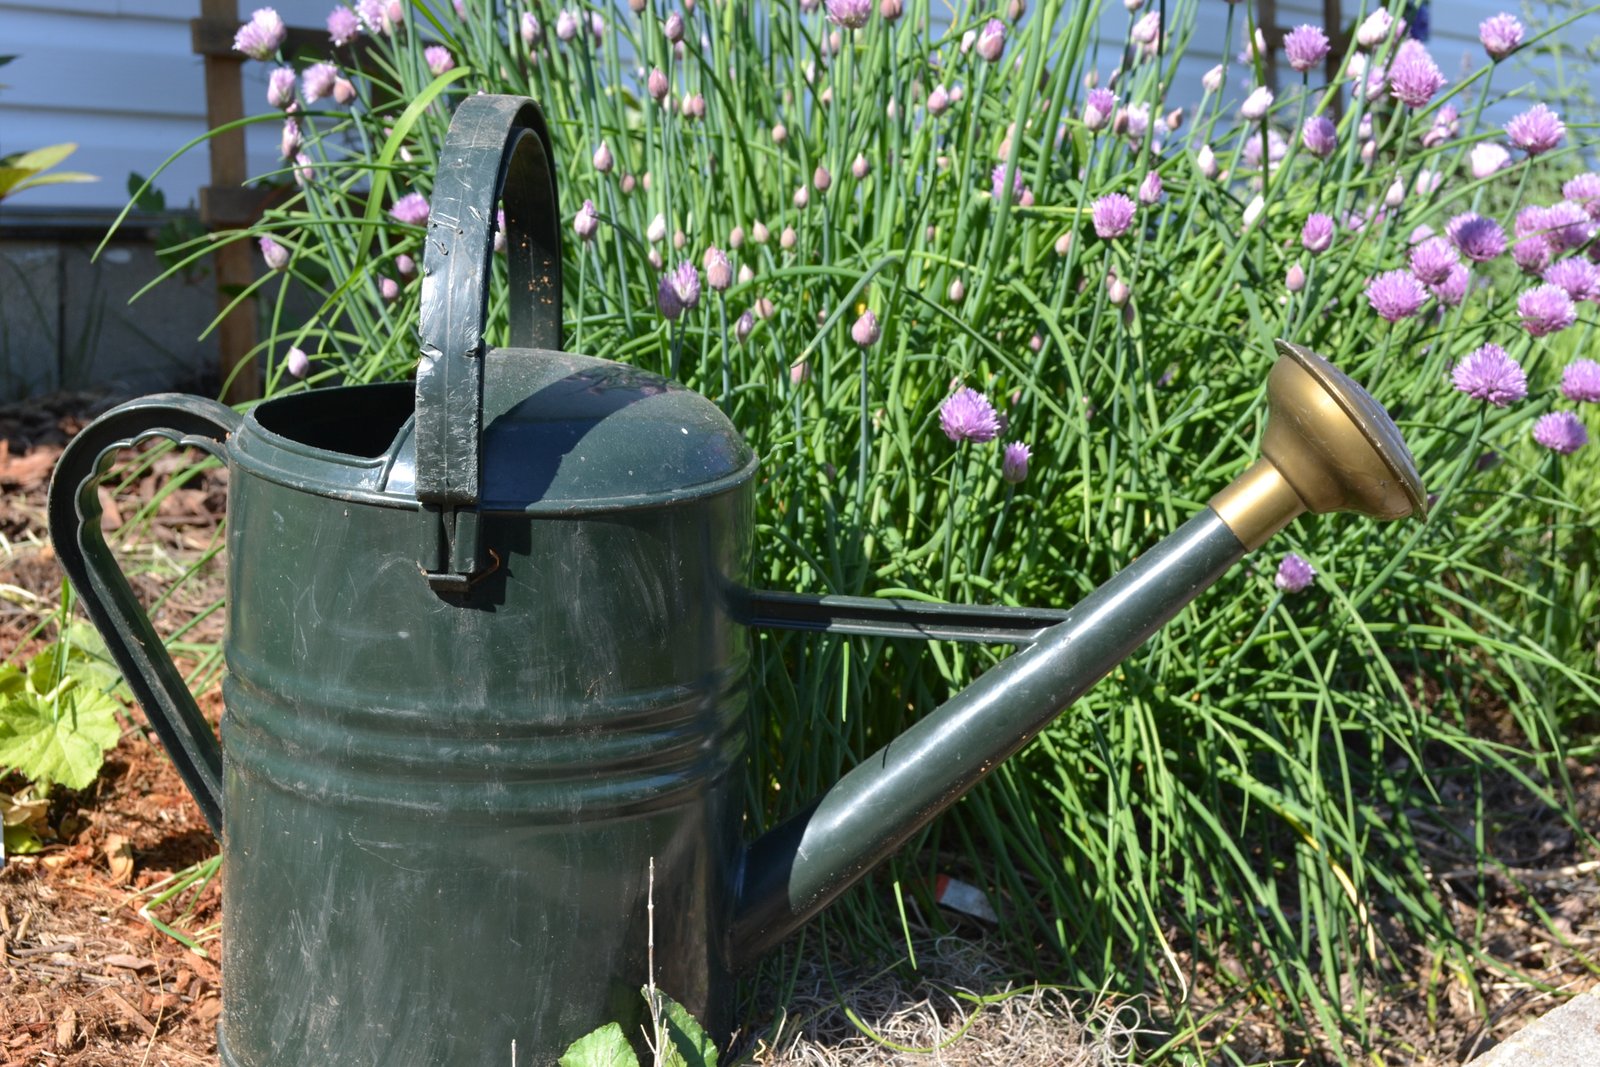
{"type": "Point", "coordinates": [64, 740]}
{"type": "Point", "coordinates": [605, 1047]}
{"type": "Point", "coordinates": [10, 176]}
{"type": "Point", "coordinates": [21, 840]}
{"type": "Point", "coordinates": [691, 1047]}
{"type": "Point", "coordinates": [12, 680]}
{"type": "Point", "coordinates": [42, 158]}
{"type": "Point", "coordinates": [60, 177]}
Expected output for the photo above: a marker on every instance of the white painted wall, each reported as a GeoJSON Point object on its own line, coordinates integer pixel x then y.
{"type": "Point", "coordinates": [117, 77]}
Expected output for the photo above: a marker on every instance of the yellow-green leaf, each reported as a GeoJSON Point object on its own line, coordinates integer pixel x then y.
{"type": "Point", "coordinates": [62, 740]}
{"type": "Point", "coordinates": [605, 1047]}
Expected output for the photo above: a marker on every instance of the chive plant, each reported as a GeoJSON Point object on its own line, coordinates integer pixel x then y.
{"type": "Point", "coordinates": [993, 296]}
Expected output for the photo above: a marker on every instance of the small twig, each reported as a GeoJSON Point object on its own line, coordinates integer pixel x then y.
{"type": "Point", "coordinates": [68, 947]}
{"type": "Point", "coordinates": [1530, 874]}
{"type": "Point", "coordinates": [133, 1013]}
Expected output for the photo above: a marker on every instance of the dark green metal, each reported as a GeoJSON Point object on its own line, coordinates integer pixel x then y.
{"type": "Point", "coordinates": [798, 868]}
{"type": "Point", "coordinates": [486, 657]}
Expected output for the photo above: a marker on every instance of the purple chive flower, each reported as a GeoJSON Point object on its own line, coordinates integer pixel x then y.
{"type": "Point", "coordinates": [1488, 158]}
{"type": "Point", "coordinates": [744, 327]}
{"type": "Point", "coordinates": [586, 221]}
{"type": "Point", "coordinates": [280, 88]}
{"type": "Point", "coordinates": [318, 81]}
{"type": "Point", "coordinates": [851, 14]}
{"type": "Point", "coordinates": [1584, 190]}
{"type": "Point", "coordinates": [967, 415]}
{"type": "Point", "coordinates": [1536, 130]}
{"type": "Point", "coordinates": [1294, 574]}
{"type": "Point", "coordinates": [1561, 431]}
{"type": "Point", "coordinates": [1479, 239]}
{"type": "Point", "coordinates": [1413, 76]}
{"type": "Point", "coordinates": [1099, 108]}
{"type": "Point", "coordinates": [1113, 215]}
{"type": "Point", "coordinates": [1567, 226]}
{"type": "Point", "coordinates": [262, 35]}
{"type": "Point", "coordinates": [1150, 189]}
{"type": "Point", "coordinates": [438, 58]}
{"type": "Point", "coordinates": [679, 289]}
{"type": "Point", "coordinates": [1580, 381]}
{"type": "Point", "coordinates": [372, 13]}
{"type": "Point", "coordinates": [1396, 295]}
{"type": "Point", "coordinates": [1579, 278]}
{"type": "Point", "coordinates": [343, 26]}
{"type": "Point", "coordinates": [1320, 136]}
{"type": "Point", "coordinates": [1491, 376]}
{"type": "Point", "coordinates": [276, 255]}
{"type": "Point", "coordinates": [1532, 254]}
{"type": "Point", "coordinates": [1501, 35]}
{"type": "Point", "coordinates": [997, 182]}
{"type": "Point", "coordinates": [296, 363]}
{"type": "Point", "coordinates": [1014, 462]}
{"type": "Point", "coordinates": [289, 145]}
{"type": "Point", "coordinates": [1317, 234]}
{"type": "Point", "coordinates": [864, 331]}
{"type": "Point", "coordinates": [1306, 47]}
{"type": "Point", "coordinates": [1453, 289]}
{"type": "Point", "coordinates": [411, 209]}
{"type": "Point", "coordinates": [992, 40]}
{"type": "Point", "coordinates": [1375, 29]}
{"type": "Point", "coordinates": [1546, 309]}
{"type": "Point", "coordinates": [1277, 148]}
{"type": "Point", "coordinates": [1432, 259]}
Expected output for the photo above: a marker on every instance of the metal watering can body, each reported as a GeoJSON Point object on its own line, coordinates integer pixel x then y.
{"type": "Point", "coordinates": [486, 655]}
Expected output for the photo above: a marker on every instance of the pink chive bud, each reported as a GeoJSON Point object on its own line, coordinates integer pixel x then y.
{"type": "Point", "coordinates": [1488, 158]}
{"type": "Point", "coordinates": [679, 239]}
{"type": "Point", "coordinates": [890, 10]}
{"type": "Point", "coordinates": [865, 332]}
{"type": "Point", "coordinates": [860, 168]}
{"type": "Point", "coordinates": [764, 308]}
{"type": "Point", "coordinates": [1150, 189]}
{"type": "Point", "coordinates": [787, 239]}
{"type": "Point", "coordinates": [290, 143]}
{"type": "Point", "coordinates": [657, 84]}
{"type": "Point", "coordinates": [1257, 104]}
{"type": "Point", "coordinates": [695, 106]}
{"type": "Point", "coordinates": [566, 25]}
{"type": "Point", "coordinates": [746, 275]}
{"type": "Point", "coordinates": [1396, 194]}
{"type": "Point", "coordinates": [1375, 29]}
{"type": "Point", "coordinates": [759, 234]}
{"type": "Point", "coordinates": [800, 373]}
{"type": "Point", "coordinates": [296, 363]}
{"type": "Point", "coordinates": [780, 133]}
{"type": "Point", "coordinates": [389, 289]}
{"type": "Point", "coordinates": [602, 158]}
{"type": "Point", "coordinates": [344, 90]}
{"type": "Point", "coordinates": [821, 179]}
{"type": "Point", "coordinates": [938, 100]}
{"type": "Point", "coordinates": [280, 88]}
{"type": "Point", "coordinates": [957, 292]}
{"type": "Point", "coordinates": [276, 255]}
{"type": "Point", "coordinates": [1206, 161]}
{"type": "Point", "coordinates": [405, 265]}
{"type": "Point", "coordinates": [1099, 108]}
{"type": "Point", "coordinates": [719, 272]}
{"type": "Point", "coordinates": [672, 29]}
{"type": "Point", "coordinates": [657, 230]}
{"type": "Point", "coordinates": [744, 327]}
{"type": "Point", "coordinates": [802, 196]}
{"type": "Point", "coordinates": [1295, 279]}
{"type": "Point", "coordinates": [1147, 29]}
{"type": "Point", "coordinates": [262, 35]}
{"type": "Point", "coordinates": [532, 31]}
{"type": "Point", "coordinates": [1212, 80]}
{"type": "Point", "coordinates": [736, 237]}
{"type": "Point", "coordinates": [586, 221]}
{"type": "Point", "coordinates": [1320, 136]}
{"type": "Point", "coordinates": [1064, 244]}
{"type": "Point", "coordinates": [992, 41]}
{"type": "Point", "coordinates": [1117, 290]}
{"type": "Point", "coordinates": [628, 184]}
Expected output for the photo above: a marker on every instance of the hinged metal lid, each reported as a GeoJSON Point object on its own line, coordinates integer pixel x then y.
{"type": "Point", "coordinates": [564, 434]}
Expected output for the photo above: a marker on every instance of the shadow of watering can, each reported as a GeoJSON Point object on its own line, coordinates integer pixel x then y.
{"type": "Point", "coordinates": [486, 662]}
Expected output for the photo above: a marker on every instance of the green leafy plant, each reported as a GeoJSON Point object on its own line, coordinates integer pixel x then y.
{"type": "Point", "coordinates": [21, 171]}
{"type": "Point", "coordinates": [55, 724]}
{"type": "Point", "coordinates": [678, 1040]}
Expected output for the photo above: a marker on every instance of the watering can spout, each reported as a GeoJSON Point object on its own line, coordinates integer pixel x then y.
{"type": "Point", "coordinates": [1328, 446]}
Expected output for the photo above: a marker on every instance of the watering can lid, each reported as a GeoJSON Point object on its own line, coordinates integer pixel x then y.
{"type": "Point", "coordinates": [565, 433]}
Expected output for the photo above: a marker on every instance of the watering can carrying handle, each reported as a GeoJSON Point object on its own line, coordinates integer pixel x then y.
{"type": "Point", "coordinates": [80, 544]}
{"type": "Point", "coordinates": [498, 148]}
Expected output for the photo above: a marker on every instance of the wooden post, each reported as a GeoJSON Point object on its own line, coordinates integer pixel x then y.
{"type": "Point", "coordinates": [235, 265]}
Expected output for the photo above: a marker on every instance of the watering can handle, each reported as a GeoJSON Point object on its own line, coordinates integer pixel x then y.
{"type": "Point", "coordinates": [498, 148]}
{"type": "Point", "coordinates": [80, 544]}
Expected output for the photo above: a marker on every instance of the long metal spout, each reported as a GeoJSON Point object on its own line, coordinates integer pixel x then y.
{"type": "Point", "coordinates": [1328, 446]}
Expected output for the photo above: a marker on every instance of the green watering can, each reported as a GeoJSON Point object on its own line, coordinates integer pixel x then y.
{"type": "Point", "coordinates": [487, 642]}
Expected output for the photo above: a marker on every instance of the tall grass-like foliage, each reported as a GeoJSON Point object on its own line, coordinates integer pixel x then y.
{"type": "Point", "coordinates": [834, 218]}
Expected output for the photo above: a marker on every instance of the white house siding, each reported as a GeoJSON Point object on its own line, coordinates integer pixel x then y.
{"type": "Point", "coordinates": [118, 78]}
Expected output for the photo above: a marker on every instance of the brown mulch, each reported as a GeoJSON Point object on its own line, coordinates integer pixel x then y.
{"type": "Point", "coordinates": [87, 980]}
